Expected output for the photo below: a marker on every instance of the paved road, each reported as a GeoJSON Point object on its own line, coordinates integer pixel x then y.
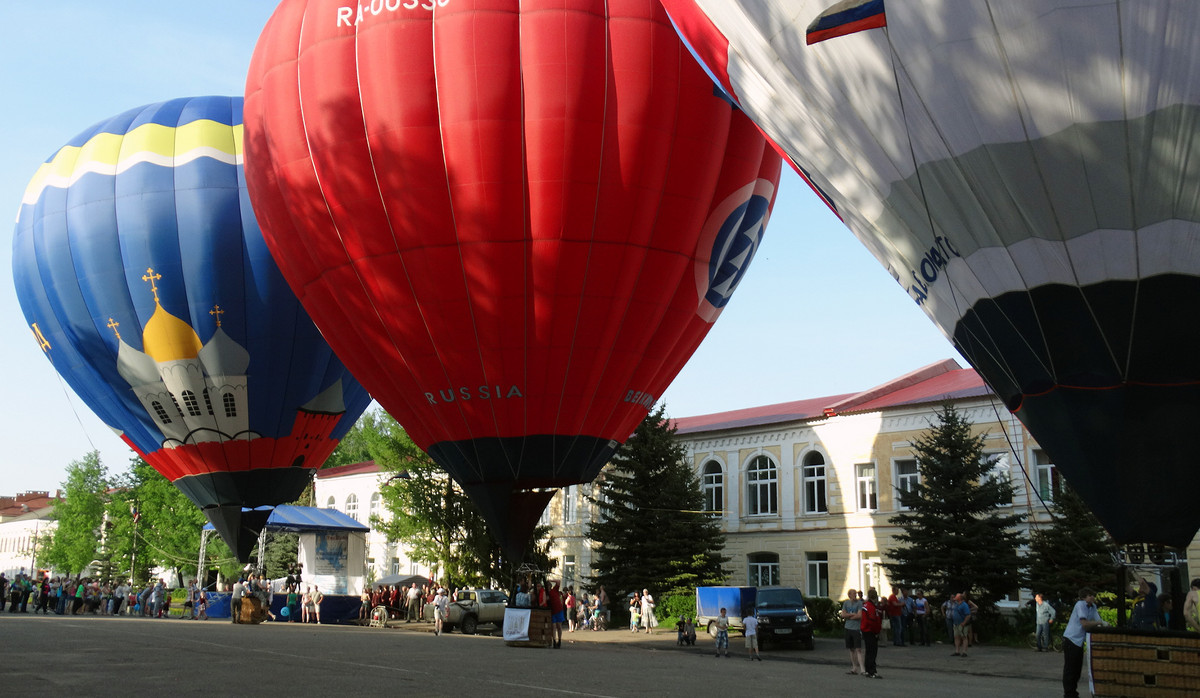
{"type": "Point", "coordinates": [97, 656]}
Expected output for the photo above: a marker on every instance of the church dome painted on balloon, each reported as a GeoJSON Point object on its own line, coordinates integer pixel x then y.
{"type": "Point", "coordinates": [141, 269]}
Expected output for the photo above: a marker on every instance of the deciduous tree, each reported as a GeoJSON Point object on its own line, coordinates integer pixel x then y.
{"type": "Point", "coordinates": [430, 514]}
{"type": "Point", "coordinates": [75, 542]}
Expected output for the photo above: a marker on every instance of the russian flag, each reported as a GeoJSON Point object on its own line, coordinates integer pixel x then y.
{"type": "Point", "coordinates": [846, 17]}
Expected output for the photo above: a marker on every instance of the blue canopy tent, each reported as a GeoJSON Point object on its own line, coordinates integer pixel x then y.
{"type": "Point", "coordinates": [332, 551]}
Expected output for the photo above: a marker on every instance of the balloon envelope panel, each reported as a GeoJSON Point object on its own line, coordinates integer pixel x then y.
{"type": "Point", "coordinates": [1027, 173]}
{"type": "Point", "coordinates": [514, 221]}
{"type": "Point", "coordinates": [143, 273]}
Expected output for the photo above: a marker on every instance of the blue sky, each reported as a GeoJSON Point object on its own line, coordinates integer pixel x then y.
{"type": "Point", "coordinates": [815, 315]}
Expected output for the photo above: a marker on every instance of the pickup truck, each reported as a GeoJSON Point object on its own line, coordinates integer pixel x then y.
{"type": "Point", "coordinates": [473, 608]}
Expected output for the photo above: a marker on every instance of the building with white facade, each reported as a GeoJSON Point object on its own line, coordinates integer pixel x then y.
{"type": "Point", "coordinates": [354, 490]}
{"type": "Point", "coordinates": [805, 490]}
{"type": "Point", "coordinates": [24, 519]}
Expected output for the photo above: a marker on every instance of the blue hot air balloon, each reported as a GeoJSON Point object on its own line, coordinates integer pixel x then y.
{"type": "Point", "coordinates": [143, 275]}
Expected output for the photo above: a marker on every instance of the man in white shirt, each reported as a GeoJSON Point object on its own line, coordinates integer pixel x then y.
{"type": "Point", "coordinates": [1084, 619]}
{"type": "Point", "coordinates": [414, 606]}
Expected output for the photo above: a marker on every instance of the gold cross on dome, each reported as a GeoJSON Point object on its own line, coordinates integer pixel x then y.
{"type": "Point", "coordinates": [113, 325]}
{"type": "Point", "coordinates": [152, 277]}
{"type": "Point", "coordinates": [217, 313]}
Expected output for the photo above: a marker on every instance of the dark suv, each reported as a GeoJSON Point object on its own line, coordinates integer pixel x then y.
{"type": "Point", "coordinates": [782, 616]}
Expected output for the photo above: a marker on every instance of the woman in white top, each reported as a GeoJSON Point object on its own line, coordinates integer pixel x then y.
{"type": "Point", "coordinates": [648, 620]}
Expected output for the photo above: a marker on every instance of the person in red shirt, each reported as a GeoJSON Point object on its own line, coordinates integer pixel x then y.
{"type": "Point", "coordinates": [557, 614]}
{"type": "Point", "coordinates": [895, 609]}
{"type": "Point", "coordinates": [571, 608]}
{"type": "Point", "coordinates": [872, 623]}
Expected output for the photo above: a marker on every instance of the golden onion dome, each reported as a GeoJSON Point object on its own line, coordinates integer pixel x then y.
{"type": "Point", "coordinates": [167, 338]}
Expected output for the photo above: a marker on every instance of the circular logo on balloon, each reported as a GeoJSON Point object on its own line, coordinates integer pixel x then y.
{"type": "Point", "coordinates": [730, 237]}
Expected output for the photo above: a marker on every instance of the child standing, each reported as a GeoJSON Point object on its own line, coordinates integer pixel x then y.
{"type": "Point", "coordinates": [750, 623]}
{"type": "Point", "coordinates": [722, 634]}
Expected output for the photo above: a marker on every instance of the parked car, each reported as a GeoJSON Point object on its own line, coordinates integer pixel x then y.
{"type": "Point", "coordinates": [782, 616]}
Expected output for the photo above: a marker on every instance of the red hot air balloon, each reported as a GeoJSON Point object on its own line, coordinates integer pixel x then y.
{"type": "Point", "coordinates": [513, 220]}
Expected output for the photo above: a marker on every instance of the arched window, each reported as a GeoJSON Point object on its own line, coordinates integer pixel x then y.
{"type": "Point", "coordinates": [230, 405]}
{"type": "Point", "coordinates": [714, 487]}
{"type": "Point", "coordinates": [376, 501]}
{"type": "Point", "coordinates": [160, 412]}
{"type": "Point", "coordinates": [814, 483]}
{"type": "Point", "coordinates": [190, 402]}
{"type": "Point", "coordinates": [763, 480]}
{"type": "Point", "coordinates": [763, 569]}
{"type": "Point", "coordinates": [208, 402]}
{"type": "Point", "coordinates": [331, 503]}
{"type": "Point", "coordinates": [352, 506]}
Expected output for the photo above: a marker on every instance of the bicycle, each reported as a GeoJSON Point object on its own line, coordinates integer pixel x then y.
{"type": "Point", "coordinates": [1056, 641]}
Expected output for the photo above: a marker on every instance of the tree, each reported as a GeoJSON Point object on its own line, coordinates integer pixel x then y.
{"type": "Point", "coordinates": [75, 543]}
{"type": "Point", "coordinates": [953, 535]}
{"type": "Point", "coordinates": [153, 524]}
{"type": "Point", "coordinates": [1073, 552]}
{"type": "Point", "coordinates": [431, 514]}
{"type": "Point", "coordinates": [354, 446]}
{"type": "Point", "coordinates": [651, 529]}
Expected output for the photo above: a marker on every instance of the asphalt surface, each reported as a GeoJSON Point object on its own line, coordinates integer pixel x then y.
{"type": "Point", "coordinates": [104, 656]}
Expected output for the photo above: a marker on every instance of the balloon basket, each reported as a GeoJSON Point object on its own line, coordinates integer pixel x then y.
{"type": "Point", "coordinates": [253, 612]}
{"type": "Point", "coordinates": [541, 631]}
{"type": "Point", "coordinates": [1152, 663]}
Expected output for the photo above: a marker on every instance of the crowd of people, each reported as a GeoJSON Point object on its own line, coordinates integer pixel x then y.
{"type": "Point", "coordinates": [65, 595]}
{"type": "Point", "coordinates": [85, 596]}
{"type": "Point", "coordinates": [408, 603]}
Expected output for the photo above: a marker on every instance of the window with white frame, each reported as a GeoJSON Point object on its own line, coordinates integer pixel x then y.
{"type": "Point", "coordinates": [376, 502]}
{"type": "Point", "coordinates": [817, 569]}
{"type": "Point", "coordinates": [762, 479]}
{"type": "Point", "coordinates": [763, 569]}
{"type": "Point", "coordinates": [568, 571]}
{"type": "Point", "coordinates": [868, 496]}
{"type": "Point", "coordinates": [1048, 482]}
{"type": "Point", "coordinates": [570, 504]}
{"type": "Point", "coordinates": [713, 482]}
{"type": "Point", "coordinates": [331, 503]}
{"type": "Point", "coordinates": [813, 476]}
{"type": "Point", "coordinates": [907, 477]}
{"type": "Point", "coordinates": [1000, 472]}
{"type": "Point", "coordinates": [352, 506]}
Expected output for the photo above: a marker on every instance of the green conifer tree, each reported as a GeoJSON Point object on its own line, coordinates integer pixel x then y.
{"type": "Point", "coordinates": [650, 529]}
{"type": "Point", "coordinates": [1073, 552]}
{"type": "Point", "coordinates": [955, 535]}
